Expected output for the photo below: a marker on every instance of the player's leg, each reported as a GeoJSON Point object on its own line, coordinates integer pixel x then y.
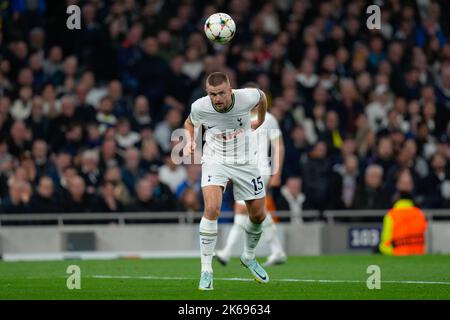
{"type": "Point", "coordinates": [249, 186]}
{"type": "Point", "coordinates": [253, 226]}
{"type": "Point", "coordinates": [212, 196]}
{"type": "Point", "coordinates": [214, 181]}
{"type": "Point", "coordinates": [235, 234]}
{"type": "Point", "coordinates": [253, 232]}
{"type": "Point", "coordinates": [277, 254]}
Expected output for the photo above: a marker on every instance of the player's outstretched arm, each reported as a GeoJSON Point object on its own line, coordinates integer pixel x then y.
{"type": "Point", "coordinates": [261, 109]}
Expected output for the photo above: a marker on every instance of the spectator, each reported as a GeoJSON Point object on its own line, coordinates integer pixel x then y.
{"type": "Point", "coordinates": [89, 171]}
{"type": "Point", "coordinates": [73, 138]}
{"type": "Point", "coordinates": [171, 174]}
{"type": "Point", "coordinates": [348, 108]}
{"type": "Point", "coordinates": [62, 160]}
{"type": "Point", "coordinates": [307, 78]}
{"type": "Point", "coordinates": [109, 202]}
{"type": "Point", "coordinates": [78, 200]}
{"type": "Point", "coordinates": [344, 183]}
{"type": "Point", "coordinates": [21, 108]}
{"type": "Point", "coordinates": [109, 156]}
{"type": "Point", "coordinates": [193, 65]}
{"type": "Point", "coordinates": [125, 137]}
{"type": "Point", "coordinates": [370, 194]}
{"type": "Point", "coordinates": [164, 198]}
{"type": "Point", "coordinates": [6, 159]}
{"type": "Point", "coordinates": [443, 89]}
{"type": "Point", "coordinates": [63, 184]}
{"type": "Point", "coordinates": [105, 117]}
{"type": "Point", "coordinates": [189, 200]}
{"type": "Point", "coordinates": [291, 198]}
{"type": "Point", "coordinates": [425, 142]}
{"type": "Point", "coordinates": [316, 177]}
{"type": "Point", "coordinates": [37, 121]}
{"type": "Point", "coordinates": [297, 148]}
{"type": "Point", "coordinates": [132, 172]}
{"type": "Point", "coordinates": [44, 200]}
{"type": "Point", "coordinates": [70, 68]}
{"type": "Point", "coordinates": [52, 105]}
{"type": "Point", "coordinates": [93, 136]}
{"type": "Point", "coordinates": [39, 154]}
{"type": "Point", "coordinates": [141, 114]}
{"type": "Point", "coordinates": [144, 201]}
{"type": "Point", "coordinates": [59, 125]}
{"type": "Point", "coordinates": [384, 155]}
{"type": "Point", "coordinates": [377, 110]}
{"type": "Point", "coordinates": [128, 56]}
{"type": "Point", "coordinates": [164, 129]}
{"type": "Point", "coordinates": [333, 135]}
{"type": "Point", "coordinates": [96, 91]}
{"type": "Point", "coordinates": [19, 139]}
{"type": "Point", "coordinates": [114, 176]}
{"type": "Point", "coordinates": [435, 186]}
{"type": "Point", "coordinates": [37, 40]}
{"type": "Point", "coordinates": [53, 65]}
{"type": "Point", "coordinates": [6, 119]}
{"type": "Point", "coordinates": [180, 86]}
{"type": "Point", "coordinates": [121, 103]}
{"type": "Point", "coordinates": [365, 138]}
{"type": "Point", "coordinates": [150, 154]}
{"type": "Point", "coordinates": [85, 112]}
{"type": "Point", "coordinates": [152, 72]}
{"type": "Point", "coordinates": [18, 199]}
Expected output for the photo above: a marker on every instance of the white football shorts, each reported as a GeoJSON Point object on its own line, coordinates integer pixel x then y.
{"type": "Point", "coordinates": [248, 184]}
{"type": "Point", "coordinates": [266, 184]}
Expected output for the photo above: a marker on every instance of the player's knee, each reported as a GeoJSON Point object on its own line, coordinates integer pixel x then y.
{"type": "Point", "coordinates": [212, 211]}
{"type": "Point", "coordinates": [258, 217]}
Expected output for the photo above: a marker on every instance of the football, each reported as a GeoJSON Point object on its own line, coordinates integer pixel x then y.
{"type": "Point", "coordinates": [220, 28]}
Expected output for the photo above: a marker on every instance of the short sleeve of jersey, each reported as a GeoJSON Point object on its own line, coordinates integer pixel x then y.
{"type": "Point", "coordinates": [273, 127]}
{"type": "Point", "coordinates": [194, 116]}
{"type": "Point", "coordinates": [253, 95]}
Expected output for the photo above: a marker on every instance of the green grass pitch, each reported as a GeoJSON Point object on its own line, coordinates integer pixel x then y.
{"type": "Point", "coordinates": [323, 277]}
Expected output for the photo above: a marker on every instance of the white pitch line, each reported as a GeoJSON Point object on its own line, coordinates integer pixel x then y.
{"type": "Point", "coordinates": [280, 280]}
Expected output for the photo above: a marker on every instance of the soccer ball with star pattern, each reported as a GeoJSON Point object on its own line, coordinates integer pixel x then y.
{"type": "Point", "coordinates": [220, 28]}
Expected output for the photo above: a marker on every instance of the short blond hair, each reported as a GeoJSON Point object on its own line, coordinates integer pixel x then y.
{"type": "Point", "coordinates": [217, 78]}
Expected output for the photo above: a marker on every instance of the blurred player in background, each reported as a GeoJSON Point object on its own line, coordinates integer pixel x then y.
{"type": "Point", "coordinates": [267, 138]}
{"type": "Point", "coordinates": [225, 115]}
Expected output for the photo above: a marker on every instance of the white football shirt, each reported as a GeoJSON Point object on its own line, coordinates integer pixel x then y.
{"type": "Point", "coordinates": [228, 134]}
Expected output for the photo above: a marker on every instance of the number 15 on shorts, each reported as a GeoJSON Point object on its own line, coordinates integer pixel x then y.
{"type": "Point", "coordinates": [258, 185]}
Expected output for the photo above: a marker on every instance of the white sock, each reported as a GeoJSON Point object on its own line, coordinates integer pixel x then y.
{"type": "Point", "coordinates": [235, 235]}
{"type": "Point", "coordinates": [253, 233]}
{"type": "Point", "coordinates": [208, 237]}
{"type": "Point", "coordinates": [270, 229]}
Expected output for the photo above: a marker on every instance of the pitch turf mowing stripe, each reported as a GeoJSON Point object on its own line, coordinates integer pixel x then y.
{"type": "Point", "coordinates": [279, 280]}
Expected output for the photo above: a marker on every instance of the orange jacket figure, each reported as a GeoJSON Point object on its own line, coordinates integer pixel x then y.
{"type": "Point", "coordinates": [404, 229]}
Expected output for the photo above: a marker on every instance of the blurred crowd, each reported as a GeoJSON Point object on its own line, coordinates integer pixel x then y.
{"type": "Point", "coordinates": [86, 115]}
